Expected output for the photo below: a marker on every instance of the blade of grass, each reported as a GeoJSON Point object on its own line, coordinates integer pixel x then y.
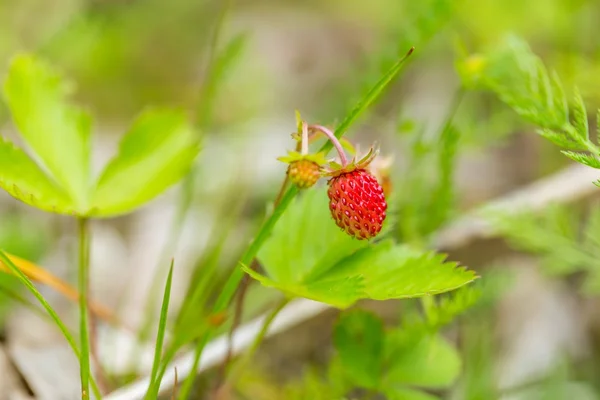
{"type": "Point", "coordinates": [55, 318]}
{"type": "Point", "coordinates": [264, 232]}
{"type": "Point", "coordinates": [160, 337]}
{"type": "Point", "coordinates": [369, 98]}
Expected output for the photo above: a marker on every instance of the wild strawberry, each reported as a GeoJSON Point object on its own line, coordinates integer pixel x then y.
{"type": "Point", "coordinates": [357, 203]}
{"type": "Point", "coordinates": [356, 200]}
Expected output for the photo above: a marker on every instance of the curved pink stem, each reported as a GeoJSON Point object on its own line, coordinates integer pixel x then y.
{"type": "Point", "coordinates": [304, 139]}
{"type": "Point", "coordinates": [334, 140]}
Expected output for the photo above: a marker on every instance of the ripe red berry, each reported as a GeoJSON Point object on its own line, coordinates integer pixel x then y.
{"type": "Point", "coordinates": [357, 203]}
{"type": "Point", "coordinates": [304, 173]}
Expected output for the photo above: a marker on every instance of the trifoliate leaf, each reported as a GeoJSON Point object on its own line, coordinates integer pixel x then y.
{"type": "Point", "coordinates": [158, 151]}
{"type": "Point", "coordinates": [23, 179]}
{"type": "Point", "coordinates": [57, 132]}
{"type": "Point", "coordinates": [359, 338]}
{"type": "Point", "coordinates": [416, 360]}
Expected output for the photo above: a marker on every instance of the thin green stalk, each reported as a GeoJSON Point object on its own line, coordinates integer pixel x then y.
{"type": "Point", "coordinates": [249, 355]}
{"type": "Point", "coordinates": [186, 388]}
{"type": "Point", "coordinates": [61, 326]}
{"type": "Point", "coordinates": [160, 337]}
{"type": "Point", "coordinates": [84, 262]}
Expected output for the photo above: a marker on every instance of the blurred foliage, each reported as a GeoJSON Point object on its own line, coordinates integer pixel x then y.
{"type": "Point", "coordinates": [127, 54]}
{"type": "Point", "coordinates": [566, 240]}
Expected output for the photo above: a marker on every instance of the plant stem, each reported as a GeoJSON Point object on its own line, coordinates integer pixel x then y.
{"type": "Point", "coordinates": [249, 355]}
{"type": "Point", "coordinates": [334, 140]}
{"type": "Point", "coordinates": [304, 140]}
{"type": "Point", "coordinates": [84, 260]}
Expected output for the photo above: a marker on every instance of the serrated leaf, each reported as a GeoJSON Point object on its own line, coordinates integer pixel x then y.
{"type": "Point", "coordinates": [428, 361]}
{"type": "Point", "coordinates": [158, 151]}
{"type": "Point", "coordinates": [359, 338]}
{"type": "Point", "coordinates": [56, 131]}
{"type": "Point", "coordinates": [447, 308]}
{"type": "Point", "coordinates": [580, 121]}
{"type": "Point", "coordinates": [583, 158]}
{"type": "Point", "coordinates": [400, 271]}
{"type": "Point", "coordinates": [21, 177]}
{"type": "Point", "coordinates": [560, 139]}
{"type": "Point", "coordinates": [560, 104]}
{"type": "Point", "coordinates": [340, 292]}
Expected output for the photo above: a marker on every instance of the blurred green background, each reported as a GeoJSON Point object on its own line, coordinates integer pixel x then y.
{"type": "Point", "coordinates": [242, 85]}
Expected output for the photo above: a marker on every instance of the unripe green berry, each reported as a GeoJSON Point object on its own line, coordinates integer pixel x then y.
{"type": "Point", "coordinates": [304, 173]}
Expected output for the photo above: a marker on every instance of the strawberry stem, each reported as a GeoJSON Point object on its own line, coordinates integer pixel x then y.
{"type": "Point", "coordinates": [304, 138]}
{"type": "Point", "coordinates": [334, 140]}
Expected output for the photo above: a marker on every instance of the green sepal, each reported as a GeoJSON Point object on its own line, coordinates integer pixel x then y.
{"type": "Point", "coordinates": [293, 156]}
{"type": "Point", "coordinates": [337, 169]}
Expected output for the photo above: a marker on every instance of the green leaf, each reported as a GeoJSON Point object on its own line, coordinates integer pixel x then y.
{"type": "Point", "coordinates": [401, 271]}
{"type": "Point", "coordinates": [359, 338]}
{"type": "Point", "coordinates": [580, 122]}
{"type": "Point", "coordinates": [158, 151]}
{"type": "Point", "coordinates": [408, 394]}
{"type": "Point", "coordinates": [448, 307]}
{"type": "Point", "coordinates": [425, 361]}
{"type": "Point", "coordinates": [57, 132]}
{"type": "Point", "coordinates": [341, 292]}
{"type": "Point", "coordinates": [560, 139]}
{"type": "Point", "coordinates": [160, 336]}
{"type": "Point", "coordinates": [582, 158]}
{"type": "Point", "coordinates": [23, 179]}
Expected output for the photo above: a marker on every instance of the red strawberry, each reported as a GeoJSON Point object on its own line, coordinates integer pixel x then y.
{"type": "Point", "coordinates": [357, 203]}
